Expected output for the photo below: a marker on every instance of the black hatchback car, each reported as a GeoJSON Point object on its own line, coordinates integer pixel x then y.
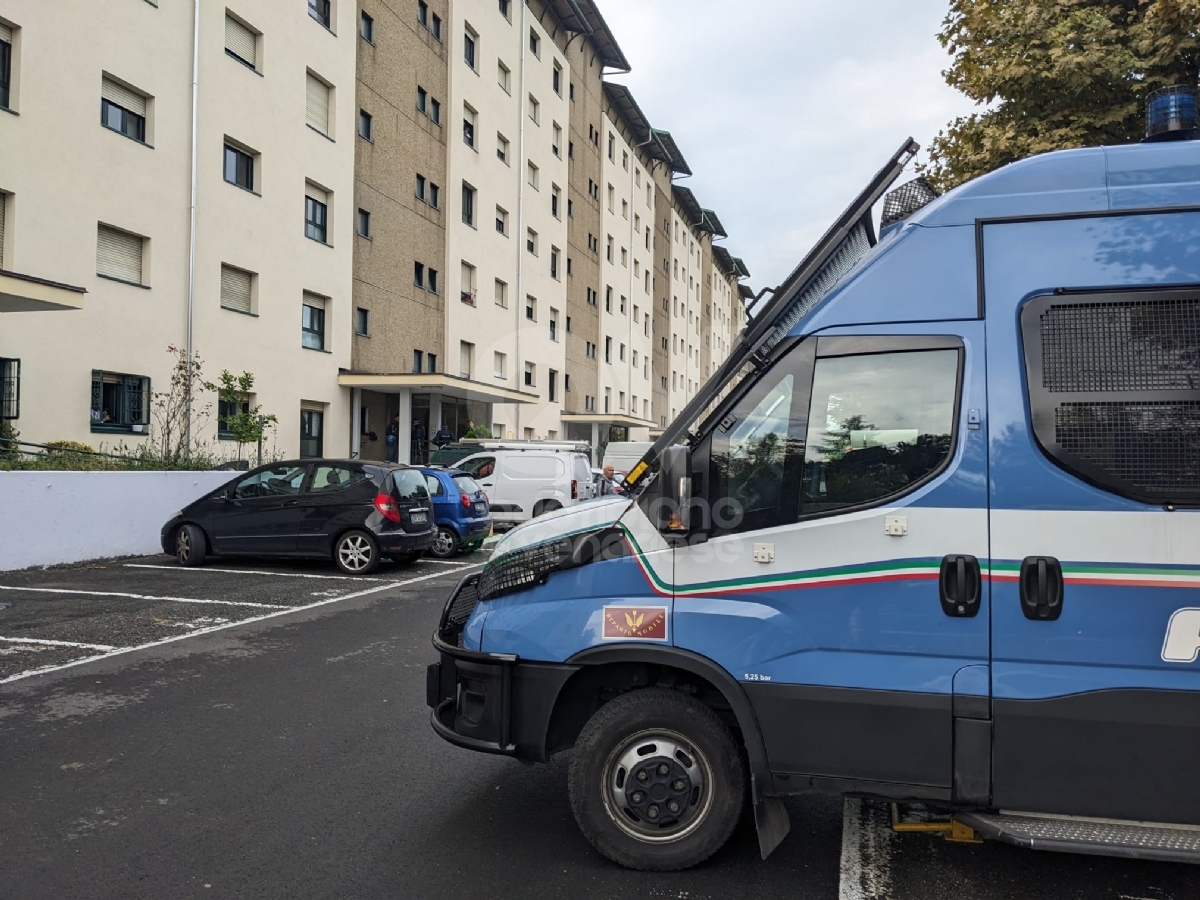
{"type": "Point", "coordinates": [353, 511]}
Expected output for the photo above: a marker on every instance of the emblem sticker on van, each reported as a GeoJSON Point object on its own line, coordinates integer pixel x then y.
{"type": "Point", "coordinates": [645, 623]}
{"type": "Point", "coordinates": [1182, 644]}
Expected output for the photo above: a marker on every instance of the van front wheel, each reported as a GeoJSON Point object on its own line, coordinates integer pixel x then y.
{"type": "Point", "coordinates": [656, 781]}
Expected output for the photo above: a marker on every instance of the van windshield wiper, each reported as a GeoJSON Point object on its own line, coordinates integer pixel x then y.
{"type": "Point", "coordinates": [846, 242]}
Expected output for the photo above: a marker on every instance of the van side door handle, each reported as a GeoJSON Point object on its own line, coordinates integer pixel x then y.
{"type": "Point", "coordinates": [959, 586]}
{"type": "Point", "coordinates": [1041, 588]}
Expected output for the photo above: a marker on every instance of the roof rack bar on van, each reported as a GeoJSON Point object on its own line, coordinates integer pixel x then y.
{"type": "Point", "coordinates": [761, 328]}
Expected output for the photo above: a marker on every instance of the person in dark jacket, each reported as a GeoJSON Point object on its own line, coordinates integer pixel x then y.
{"type": "Point", "coordinates": [443, 436]}
{"type": "Point", "coordinates": [392, 439]}
{"type": "Point", "coordinates": [418, 442]}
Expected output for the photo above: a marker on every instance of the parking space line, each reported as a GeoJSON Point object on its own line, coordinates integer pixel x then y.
{"type": "Point", "coordinates": [250, 572]}
{"type": "Point", "coordinates": [81, 592]}
{"type": "Point", "coordinates": [866, 851]}
{"type": "Point", "coordinates": [49, 643]}
{"type": "Point", "coordinates": [271, 615]}
{"type": "Point", "coordinates": [445, 562]}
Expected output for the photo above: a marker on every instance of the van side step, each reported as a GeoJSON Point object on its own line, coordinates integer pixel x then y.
{"type": "Point", "coordinates": [1099, 837]}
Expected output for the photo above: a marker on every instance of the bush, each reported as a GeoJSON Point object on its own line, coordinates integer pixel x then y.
{"type": "Point", "coordinates": [479, 431]}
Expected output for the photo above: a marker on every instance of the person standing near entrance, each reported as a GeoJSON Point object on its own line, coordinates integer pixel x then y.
{"type": "Point", "coordinates": [392, 439]}
{"type": "Point", "coordinates": [418, 443]}
{"type": "Point", "coordinates": [443, 437]}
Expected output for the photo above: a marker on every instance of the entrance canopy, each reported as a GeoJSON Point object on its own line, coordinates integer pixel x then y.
{"type": "Point", "coordinates": [24, 293]}
{"type": "Point", "coordinates": [446, 385]}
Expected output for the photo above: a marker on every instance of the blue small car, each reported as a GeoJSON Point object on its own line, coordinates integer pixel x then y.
{"type": "Point", "coordinates": [460, 509]}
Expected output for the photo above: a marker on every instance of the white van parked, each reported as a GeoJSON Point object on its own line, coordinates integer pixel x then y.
{"type": "Point", "coordinates": [524, 479]}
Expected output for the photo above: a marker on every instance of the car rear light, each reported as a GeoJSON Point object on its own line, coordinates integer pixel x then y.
{"type": "Point", "coordinates": [466, 501]}
{"type": "Point", "coordinates": [574, 489]}
{"type": "Point", "coordinates": [387, 507]}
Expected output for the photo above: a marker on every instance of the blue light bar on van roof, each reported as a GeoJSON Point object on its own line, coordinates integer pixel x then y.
{"type": "Point", "coordinates": [1171, 109]}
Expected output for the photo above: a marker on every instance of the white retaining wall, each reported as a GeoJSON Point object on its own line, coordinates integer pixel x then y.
{"type": "Point", "coordinates": [47, 518]}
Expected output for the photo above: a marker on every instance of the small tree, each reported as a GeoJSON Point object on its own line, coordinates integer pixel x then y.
{"type": "Point", "coordinates": [178, 416]}
{"type": "Point", "coordinates": [244, 423]}
{"type": "Point", "coordinates": [479, 431]}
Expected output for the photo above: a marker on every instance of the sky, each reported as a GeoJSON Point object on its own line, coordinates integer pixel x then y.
{"type": "Point", "coordinates": [785, 109]}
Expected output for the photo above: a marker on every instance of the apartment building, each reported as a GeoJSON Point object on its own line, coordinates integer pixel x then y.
{"type": "Point", "coordinates": [244, 257]}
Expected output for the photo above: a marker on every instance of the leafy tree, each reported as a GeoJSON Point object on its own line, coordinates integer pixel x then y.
{"type": "Point", "coordinates": [1056, 74]}
{"type": "Point", "coordinates": [246, 424]}
{"type": "Point", "coordinates": [479, 431]}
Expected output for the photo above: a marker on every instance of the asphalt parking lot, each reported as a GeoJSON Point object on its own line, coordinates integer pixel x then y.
{"type": "Point", "coordinates": [65, 615]}
{"type": "Point", "coordinates": [260, 730]}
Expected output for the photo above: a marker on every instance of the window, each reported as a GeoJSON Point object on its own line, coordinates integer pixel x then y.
{"type": "Point", "coordinates": [608, 349]}
{"type": "Point", "coordinates": [6, 41]}
{"type": "Point", "coordinates": [312, 438]}
{"type": "Point", "coordinates": [502, 148]}
{"type": "Point", "coordinates": [608, 298]}
{"type": "Point", "coordinates": [431, 282]}
{"type": "Point", "coordinates": [364, 223]}
{"type": "Point", "coordinates": [121, 109]}
{"type": "Point", "coordinates": [552, 385]}
{"type": "Point", "coordinates": [555, 196]}
{"type": "Point", "coordinates": [362, 322]}
{"type": "Point", "coordinates": [533, 175]}
{"type": "Point", "coordinates": [608, 399]}
{"type": "Point", "coordinates": [608, 250]}
{"type": "Point", "coordinates": [592, 296]}
{"type": "Point", "coordinates": [530, 375]}
{"type": "Point", "coordinates": [503, 77]}
{"type": "Point", "coordinates": [612, 143]}
{"type": "Point", "coordinates": [502, 220]}
{"type": "Point", "coordinates": [119, 402]}
{"type": "Point", "coordinates": [625, 160]}
{"type": "Point", "coordinates": [418, 361]}
{"type": "Point", "coordinates": [568, 266]}
{"type": "Point", "coordinates": [419, 274]}
{"type": "Point", "coordinates": [531, 241]}
{"type": "Point", "coordinates": [570, 208]}
{"type": "Point", "coordinates": [316, 104]}
{"type": "Point", "coordinates": [466, 358]}
{"type": "Point", "coordinates": [611, 198]}
{"type": "Point", "coordinates": [319, 10]}
{"type": "Point", "coordinates": [366, 28]}
{"type": "Point", "coordinates": [237, 289]}
{"type": "Point", "coordinates": [499, 365]}
{"type": "Point", "coordinates": [556, 79]}
{"type": "Point", "coordinates": [530, 308]}
{"type": "Point", "coordinates": [119, 254]}
{"type": "Point", "coordinates": [469, 39]}
{"type": "Point", "coordinates": [434, 194]}
{"type": "Point", "coordinates": [239, 167]}
{"type": "Point", "coordinates": [241, 42]}
{"type": "Point", "coordinates": [435, 26]}
{"type": "Point", "coordinates": [467, 284]}
{"type": "Point", "coordinates": [625, 209]}
{"type": "Point", "coordinates": [423, 13]}
{"type": "Point", "coordinates": [316, 213]}
{"type": "Point", "coordinates": [422, 100]}
{"type": "Point", "coordinates": [312, 322]}
{"type": "Point", "coordinates": [435, 112]}
{"type": "Point", "coordinates": [625, 257]}
{"type": "Point", "coordinates": [535, 109]}
{"type": "Point", "coordinates": [589, 403]}
{"type": "Point", "coordinates": [554, 324]}
{"type": "Point", "coordinates": [468, 126]}
{"type": "Point", "coordinates": [505, 9]}
{"type": "Point", "coordinates": [878, 425]}
{"type": "Point", "coordinates": [568, 324]}
{"type": "Point", "coordinates": [501, 293]}
{"type": "Point", "coordinates": [535, 44]}
{"type": "Point", "coordinates": [621, 401]}
{"type": "Point", "coordinates": [621, 353]}
{"type": "Point", "coordinates": [556, 143]}
{"type": "Point", "coordinates": [433, 363]}
{"type": "Point", "coordinates": [468, 205]}
{"type": "Point", "coordinates": [365, 125]}
{"type": "Point", "coordinates": [554, 253]}
{"type": "Point", "coordinates": [10, 388]}
{"type": "Point", "coordinates": [228, 413]}
{"type": "Point", "coordinates": [336, 478]}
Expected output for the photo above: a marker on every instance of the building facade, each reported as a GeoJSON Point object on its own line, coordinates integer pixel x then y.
{"type": "Point", "coordinates": [244, 257]}
{"type": "Point", "coordinates": [406, 217]}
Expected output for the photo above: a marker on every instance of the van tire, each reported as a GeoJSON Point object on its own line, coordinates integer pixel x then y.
{"type": "Point", "coordinates": [607, 752]}
{"type": "Point", "coordinates": [544, 506]}
{"type": "Point", "coordinates": [191, 545]}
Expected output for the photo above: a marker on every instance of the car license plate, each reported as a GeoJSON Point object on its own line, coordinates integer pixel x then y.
{"type": "Point", "coordinates": [419, 517]}
{"type": "Point", "coordinates": [481, 508]}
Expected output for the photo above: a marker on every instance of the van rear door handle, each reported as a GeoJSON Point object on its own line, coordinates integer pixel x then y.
{"type": "Point", "coordinates": [959, 586]}
{"type": "Point", "coordinates": [1041, 588]}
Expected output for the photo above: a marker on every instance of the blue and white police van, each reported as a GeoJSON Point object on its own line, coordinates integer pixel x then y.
{"type": "Point", "coordinates": [938, 542]}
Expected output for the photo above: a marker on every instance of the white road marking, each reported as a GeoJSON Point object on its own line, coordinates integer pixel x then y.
{"type": "Point", "coordinates": [866, 851]}
{"type": "Point", "coordinates": [250, 572]}
{"type": "Point", "coordinates": [13, 640]}
{"type": "Point", "coordinates": [270, 615]}
{"type": "Point", "coordinates": [445, 562]}
{"type": "Point", "coordinates": [84, 593]}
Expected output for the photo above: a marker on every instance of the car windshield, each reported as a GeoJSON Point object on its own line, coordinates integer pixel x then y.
{"type": "Point", "coordinates": [409, 484]}
{"type": "Point", "coordinates": [467, 484]}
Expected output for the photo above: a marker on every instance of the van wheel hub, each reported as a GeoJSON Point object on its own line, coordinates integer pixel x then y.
{"type": "Point", "coordinates": [656, 787]}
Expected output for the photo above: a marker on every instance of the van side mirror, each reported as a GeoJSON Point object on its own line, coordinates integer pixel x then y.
{"type": "Point", "coordinates": [675, 473]}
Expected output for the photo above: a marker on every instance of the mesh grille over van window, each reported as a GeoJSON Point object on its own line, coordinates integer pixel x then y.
{"type": "Point", "coordinates": [1114, 389]}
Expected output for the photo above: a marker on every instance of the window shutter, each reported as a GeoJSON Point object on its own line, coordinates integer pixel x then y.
{"type": "Point", "coordinates": [118, 254]}
{"type": "Point", "coordinates": [5, 33]}
{"type": "Point", "coordinates": [464, 359]}
{"type": "Point", "coordinates": [314, 300]}
{"type": "Point", "coordinates": [311, 190]}
{"type": "Point", "coordinates": [3, 204]}
{"type": "Point", "coordinates": [235, 289]}
{"type": "Point", "coordinates": [123, 97]}
{"type": "Point", "coordinates": [240, 40]}
{"type": "Point", "coordinates": [317, 107]}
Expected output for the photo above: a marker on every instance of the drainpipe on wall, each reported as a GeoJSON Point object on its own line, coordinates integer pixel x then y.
{"type": "Point", "coordinates": [519, 303]}
{"type": "Point", "coordinates": [191, 293]}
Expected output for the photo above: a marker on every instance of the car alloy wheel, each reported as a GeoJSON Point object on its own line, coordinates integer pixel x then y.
{"type": "Point", "coordinates": [445, 543]}
{"type": "Point", "coordinates": [356, 553]}
{"type": "Point", "coordinates": [183, 546]}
